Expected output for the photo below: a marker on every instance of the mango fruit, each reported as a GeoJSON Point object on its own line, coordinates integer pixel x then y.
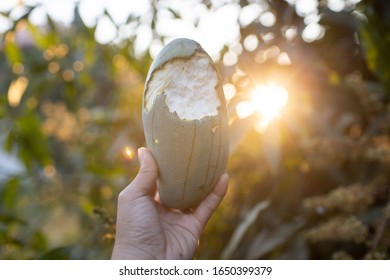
{"type": "Point", "coordinates": [185, 123]}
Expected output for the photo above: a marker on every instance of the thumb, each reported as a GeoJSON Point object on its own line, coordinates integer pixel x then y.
{"type": "Point", "coordinates": [147, 175]}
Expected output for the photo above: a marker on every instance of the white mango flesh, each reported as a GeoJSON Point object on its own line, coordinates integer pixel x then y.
{"type": "Point", "coordinates": [189, 94]}
{"type": "Point", "coordinates": [185, 123]}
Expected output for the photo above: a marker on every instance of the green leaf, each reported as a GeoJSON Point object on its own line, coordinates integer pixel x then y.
{"type": "Point", "coordinates": [376, 42]}
{"type": "Point", "coordinates": [39, 241]}
{"type": "Point", "coordinates": [9, 218]}
{"type": "Point", "coordinates": [10, 141]}
{"type": "Point", "coordinates": [32, 143]}
{"type": "Point", "coordinates": [40, 39]}
{"type": "Point", "coordinates": [60, 253]}
{"type": "Point", "coordinates": [12, 50]}
{"type": "Point", "coordinates": [10, 192]}
{"type": "Point", "coordinates": [267, 240]}
{"type": "Point", "coordinates": [242, 228]}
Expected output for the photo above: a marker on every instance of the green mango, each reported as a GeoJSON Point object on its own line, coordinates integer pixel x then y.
{"type": "Point", "coordinates": [186, 123]}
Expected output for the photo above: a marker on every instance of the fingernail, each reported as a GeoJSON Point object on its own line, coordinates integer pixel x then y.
{"type": "Point", "coordinates": [141, 155]}
{"type": "Point", "coordinates": [225, 176]}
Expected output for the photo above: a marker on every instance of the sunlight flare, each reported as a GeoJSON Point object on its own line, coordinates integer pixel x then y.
{"type": "Point", "coordinates": [267, 100]}
{"type": "Point", "coordinates": [16, 91]}
{"type": "Point", "coordinates": [128, 153]}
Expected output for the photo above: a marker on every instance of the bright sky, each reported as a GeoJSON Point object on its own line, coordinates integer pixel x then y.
{"type": "Point", "coordinates": [215, 29]}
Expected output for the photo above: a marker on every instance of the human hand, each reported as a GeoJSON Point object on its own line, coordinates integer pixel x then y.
{"type": "Point", "coordinates": [147, 230]}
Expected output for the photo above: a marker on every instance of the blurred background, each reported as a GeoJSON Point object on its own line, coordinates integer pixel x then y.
{"type": "Point", "coordinates": [307, 85]}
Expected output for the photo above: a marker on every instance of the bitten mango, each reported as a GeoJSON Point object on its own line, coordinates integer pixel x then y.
{"type": "Point", "coordinates": [185, 123]}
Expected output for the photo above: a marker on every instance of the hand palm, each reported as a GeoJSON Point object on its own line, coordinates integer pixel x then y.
{"type": "Point", "coordinates": [163, 233]}
{"type": "Point", "coordinates": [148, 230]}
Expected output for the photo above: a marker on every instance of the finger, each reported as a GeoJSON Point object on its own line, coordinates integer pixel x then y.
{"type": "Point", "coordinates": [207, 207]}
{"type": "Point", "coordinates": [145, 181]}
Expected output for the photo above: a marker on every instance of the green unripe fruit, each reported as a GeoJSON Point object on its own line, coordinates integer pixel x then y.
{"type": "Point", "coordinates": [186, 123]}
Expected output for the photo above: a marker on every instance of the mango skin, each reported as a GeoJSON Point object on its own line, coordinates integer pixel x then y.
{"type": "Point", "coordinates": [191, 154]}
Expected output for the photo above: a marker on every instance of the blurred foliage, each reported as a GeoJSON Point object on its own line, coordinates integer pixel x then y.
{"type": "Point", "coordinates": [313, 185]}
{"type": "Point", "coordinates": [81, 108]}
